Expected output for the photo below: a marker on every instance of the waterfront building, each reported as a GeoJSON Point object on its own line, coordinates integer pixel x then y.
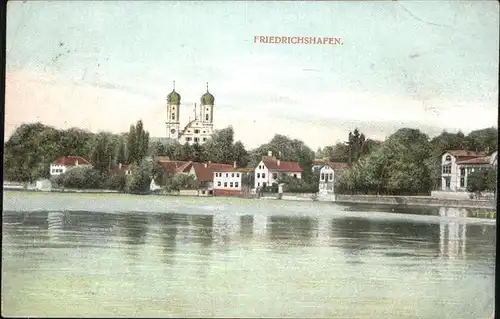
{"type": "Point", "coordinates": [270, 169]}
{"type": "Point", "coordinates": [62, 164]}
{"type": "Point", "coordinates": [456, 165]}
{"type": "Point", "coordinates": [199, 128]}
{"type": "Point", "coordinates": [328, 174]}
{"type": "Point", "coordinates": [233, 181]}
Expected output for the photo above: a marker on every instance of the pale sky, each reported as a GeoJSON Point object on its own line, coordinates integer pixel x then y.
{"type": "Point", "coordinates": [104, 65]}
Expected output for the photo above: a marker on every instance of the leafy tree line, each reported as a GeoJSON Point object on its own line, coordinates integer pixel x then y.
{"type": "Point", "coordinates": [409, 162]}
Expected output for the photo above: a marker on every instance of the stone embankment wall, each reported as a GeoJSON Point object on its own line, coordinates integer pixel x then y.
{"type": "Point", "coordinates": [414, 200]}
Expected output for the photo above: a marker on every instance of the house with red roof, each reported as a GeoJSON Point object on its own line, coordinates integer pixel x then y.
{"type": "Point", "coordinates": [204, 174]}
{"type": "Point", "coordinates": [328, 174]}
{"type": "Point", "coordinates": [270, 169]}
{"type": "Point", "coordinates": [456, 165]}
{"type": "Point", "coordinates": [64, 163]}
{"type": "Point", "coordinates": [233, 181]}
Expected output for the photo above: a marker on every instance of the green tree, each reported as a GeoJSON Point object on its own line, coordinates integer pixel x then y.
{"type": "Point", "coordinates": [219, 148]}
{"type": "Point", "coordinates": [101, 156]}
{"type": "Point", "coordinates": [132, 145]}
{"type": "Point", "coordinates": [197, 153]}
{"type": "Point", "coordinates": [121, 153]}
{"type": "Point", "coordinates": [240, 154]}
{"type": "Point", "coordinates": [140, 179]}
{"type": "Point", "coordinates": [82, 178]}
{"type": "Point", "coordinates": [180, 181]}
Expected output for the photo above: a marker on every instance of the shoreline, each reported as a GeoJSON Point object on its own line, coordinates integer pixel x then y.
{"type": "Point", "coordinates": [337, 199]}
{"type": "Point", "coordinates": [414, 201]}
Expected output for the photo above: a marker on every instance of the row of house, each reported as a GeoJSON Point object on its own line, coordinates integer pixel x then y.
{"type": "Point", "coordinates": [222, 179]}
{"type": "Point", "coordinates": [226, 179]}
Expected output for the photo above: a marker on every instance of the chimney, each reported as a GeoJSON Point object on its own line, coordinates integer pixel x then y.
{"type": "Point", "coordinates": [270, 153]}
{"type": "Point", "coordinates": [120, 166]}
{"type": "Point", "coordinates": [76, 163]}
{"type": "Point", "coordinates": [206, 165]}
{"type": "Point", "coordinates": [278, 162]}
{"type": "Point", "coordinates": [234, 164]}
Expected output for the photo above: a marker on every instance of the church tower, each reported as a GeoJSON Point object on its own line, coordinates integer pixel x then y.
{"type": "Point", "coordinates": [173, 114]}
{"type": "Point", "coordinates": [207, 108]}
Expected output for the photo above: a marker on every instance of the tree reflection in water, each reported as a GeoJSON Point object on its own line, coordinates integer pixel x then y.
{"type": "Point", "coordinates": [246, 227]}
{"type": "Point", "coordinates": [291, 231]}
{"type": "Point", "coordinates": [168, 235]}
{"type": "Point", "coordinates": [134, 227]}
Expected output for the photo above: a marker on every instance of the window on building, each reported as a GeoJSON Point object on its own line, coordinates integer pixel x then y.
{"type": "Point", "coordinates": [322, 176]}
{"type": "Point", "coordinates": [204, 139]}
{"type": "Point", "coordinates": [331, 176]}
{"type": "Point", "coordinates": [263, 175]}
{"type": "Point", "coordinates": [196, 139]}
{"type": "Point", "coordinates": [294, 175]}
{"type": "Point", "coordinates": [237, 174]}
{"type": "Point", "coordinates": [232, 174]}
{"type": "Point", "coordinates": [189, 131]}
{"type": "Point", "coordinates": [188, 138]}
{"type": "Point", "coordinates": [219, 183]}
{"type": "Point", "coordinates": [225, 184]}
{"type": "Point", "coordinates": [196, 131]}
{"type": "Point", "coordinates": [462, 171]}
{"type": "Point", "coordinates": [447, 169]}
{"type": "Point", "coordinates": [258, 175]}
{"type": "Point", "coordinates": [462, 181]}
{"type": "Point", "coordinates": [227, 175]}
{"type": "Point", "coordinates": [203, 131]}
{"type": "Point", "coordinates": [206, 117]}
{"type": "Point", "coordinates": [173, 116]}
{"type": "Point", "coordinates": [236, 184]}
{"type": "Point", "coordinates": [448, 158]}
{"type": "Point", "coordinates": [258, 184]}
{"type": "Point", "coordinates": [231, 184]}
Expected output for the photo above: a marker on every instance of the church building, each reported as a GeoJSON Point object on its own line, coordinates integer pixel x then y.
{"type": "Point", "coordinates": [198, 130]}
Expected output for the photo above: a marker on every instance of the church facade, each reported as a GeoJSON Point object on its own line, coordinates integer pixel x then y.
{"type": "Point", "coordinates": [198, 130]}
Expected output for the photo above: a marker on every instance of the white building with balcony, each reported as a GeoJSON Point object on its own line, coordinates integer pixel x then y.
{"type": "Point", "coordinates": [456, 165]}
{"type": "Point", "coordinates": [328, 174]}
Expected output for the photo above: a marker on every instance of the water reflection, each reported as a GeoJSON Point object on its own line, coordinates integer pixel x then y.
{"type": "Point", "coordinates": [168, 236]}
{"type": "Point", "coordinates": [452, 232]}
{"type": "Point", "coordinates": [246, 227]}
{"type": "Point", "coordinates": [215, 257]}
{"type": "Point", "coordinates": [291, 231]}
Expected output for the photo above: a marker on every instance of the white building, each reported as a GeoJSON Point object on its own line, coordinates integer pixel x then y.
{"type": "Point", "coordinates": [64, 163]}
{"type": "Point", "coordinates": [456, 165]}
{"type": "Point", "coordinates": [327, 176]}
{"type": "Point", "coordinates": [199, 129]}
{"type": "Point", "coordinates": [232, 181]}
{"type": "Point", "coordinates": [270, 169]}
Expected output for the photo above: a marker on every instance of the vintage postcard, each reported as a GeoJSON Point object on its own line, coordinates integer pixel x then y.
{"type": "Point", "coordinates": [245, 159]}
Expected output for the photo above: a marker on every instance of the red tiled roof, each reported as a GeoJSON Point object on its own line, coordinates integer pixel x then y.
{"type": "Point", "coordinates": [475, 161]}
{"type": "Point", "coordinates": [205, 171]}
{"type": "Point", "coordinates": [173, 166]}
{"type": "Point", "coordinates": [273, 164]}
{"type": "Point", "coordinates": [70, 161]}
{"type": "Point", "coordinates": [319, 161]}
{"type": "Point", "coordinates": [464, 153]}
{"type": "Point", "coordinates": [232, 169]}
{"type": "Point", "coordinates": [336, 165]}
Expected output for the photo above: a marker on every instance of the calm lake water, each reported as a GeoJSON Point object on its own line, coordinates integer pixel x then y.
{"type": "Point", "coordinates": [122, 255]}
